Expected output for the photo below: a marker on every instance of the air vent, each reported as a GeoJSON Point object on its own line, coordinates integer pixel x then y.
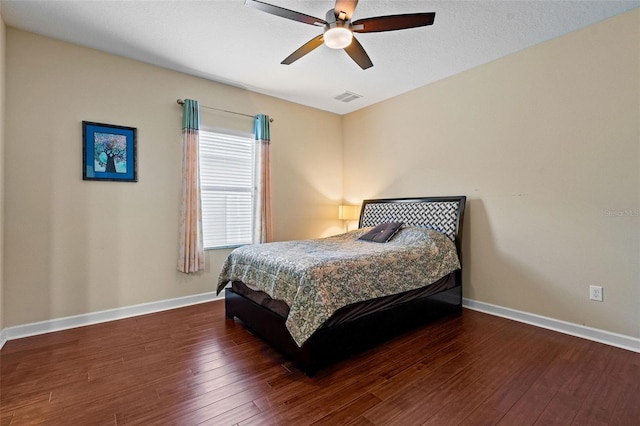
{"type": "Point", "coordinates": [347, 97]}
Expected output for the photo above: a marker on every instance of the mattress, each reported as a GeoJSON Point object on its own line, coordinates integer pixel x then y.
{"type": "Point", "coordinates": [353, 311]}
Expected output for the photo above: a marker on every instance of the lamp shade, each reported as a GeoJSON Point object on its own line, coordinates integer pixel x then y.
{"type": "Point", "coordinates": [348, 212]}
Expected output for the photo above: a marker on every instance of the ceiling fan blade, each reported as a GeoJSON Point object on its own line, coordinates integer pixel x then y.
{"type": "Point", "coordinates": [393, 22]}
{"type": "Point", "coordinates": [304, 49]}
{"type": "Point", "coordinates": [357, 53]}
{"type": "Point", "coordinates": [345, 6]}
{"type": "Point", "coordinates": [285, 13]}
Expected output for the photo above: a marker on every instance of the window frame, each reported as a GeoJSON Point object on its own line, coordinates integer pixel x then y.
{"type": "Point", "coordinates": [233, 133]}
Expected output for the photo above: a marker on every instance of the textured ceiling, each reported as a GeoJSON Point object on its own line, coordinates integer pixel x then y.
{"type": "Point", "coordinates": [224, 41]}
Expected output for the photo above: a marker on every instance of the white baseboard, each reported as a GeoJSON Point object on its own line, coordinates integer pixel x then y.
{"type": "Point", "coordinates": [17, 332]}
{"type": "Point", "coordinates": [66, 323]}
{"type": "Point", "coordinates": [606, 337]}
{"type": "Point", "coordinates": [3, 337]}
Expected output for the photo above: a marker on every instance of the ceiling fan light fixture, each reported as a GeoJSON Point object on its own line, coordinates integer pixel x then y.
{"type": "Point", "coordinates": [339, 29]}
{"type": "Point", "coordinates": [338, 37]}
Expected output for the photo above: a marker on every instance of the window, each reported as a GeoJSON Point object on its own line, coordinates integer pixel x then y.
{"type": "Point", "coordinates": [226, 188]}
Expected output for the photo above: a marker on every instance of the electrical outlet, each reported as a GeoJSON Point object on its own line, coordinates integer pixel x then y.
{"type": "Point", "coordinates": [595, 293]}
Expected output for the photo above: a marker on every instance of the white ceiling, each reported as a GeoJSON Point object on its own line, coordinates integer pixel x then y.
{"type": "Point", "coordinates": [224, 41]}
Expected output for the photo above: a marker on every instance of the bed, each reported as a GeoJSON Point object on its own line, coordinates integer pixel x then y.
{"type": "Point", "coordinates": [316, 307]}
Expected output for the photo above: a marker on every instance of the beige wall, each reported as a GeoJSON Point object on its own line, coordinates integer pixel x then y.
{"type": "Point", "coordinates": [2, 127]}
{"type": "Point", "coordinates": [73, 247]}
{"type": "Point", "coordinates": [546, 145]}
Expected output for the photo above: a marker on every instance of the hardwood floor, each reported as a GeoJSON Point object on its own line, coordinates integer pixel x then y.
{"type": "Point", "coordinates": [192, 366]}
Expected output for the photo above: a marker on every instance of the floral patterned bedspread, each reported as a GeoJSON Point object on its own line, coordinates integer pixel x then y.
{"type": "Point", "coordinates": [318, 277]}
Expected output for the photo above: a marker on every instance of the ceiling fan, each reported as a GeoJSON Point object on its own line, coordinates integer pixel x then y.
{"type": "Point", "coordinates": [338, 28]}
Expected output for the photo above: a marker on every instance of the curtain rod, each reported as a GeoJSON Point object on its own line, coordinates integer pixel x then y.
{"type": "Point", "coordinates": [181, 102]}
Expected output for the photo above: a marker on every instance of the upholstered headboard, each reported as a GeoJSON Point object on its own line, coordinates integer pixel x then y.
{"type": "Point", "coordinates": [443, 214]}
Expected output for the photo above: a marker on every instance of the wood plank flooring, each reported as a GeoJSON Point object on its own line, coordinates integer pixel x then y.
{"type": "Point", "coordinates": [193, 366]}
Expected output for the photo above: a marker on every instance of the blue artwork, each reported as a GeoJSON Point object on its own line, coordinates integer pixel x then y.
{"type": "Point", "coordinates": [110, 152]}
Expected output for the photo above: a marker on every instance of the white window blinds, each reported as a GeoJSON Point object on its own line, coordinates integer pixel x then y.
{"type": "Point", "coordinates": [226, 186]}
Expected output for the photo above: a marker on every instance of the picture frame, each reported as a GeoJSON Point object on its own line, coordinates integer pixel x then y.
{"type": "Point", "coordinates": [109, 152]}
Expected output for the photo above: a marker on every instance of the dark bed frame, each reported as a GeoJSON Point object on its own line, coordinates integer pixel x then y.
{"type": "Point", "coordinates": [331, 344]}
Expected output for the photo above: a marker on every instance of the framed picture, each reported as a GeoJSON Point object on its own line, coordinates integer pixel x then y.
{"type": "Point", "coordinates": [108, 152]}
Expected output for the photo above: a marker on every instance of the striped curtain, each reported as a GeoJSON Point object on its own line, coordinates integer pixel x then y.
{"type": "Point", "coordinates": [262, 229]}
{"type": "Point", "coordinates": [191, 248]}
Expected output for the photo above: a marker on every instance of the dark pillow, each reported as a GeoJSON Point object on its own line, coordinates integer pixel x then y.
{"type": "Point", "coordinates": [382, 233]}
